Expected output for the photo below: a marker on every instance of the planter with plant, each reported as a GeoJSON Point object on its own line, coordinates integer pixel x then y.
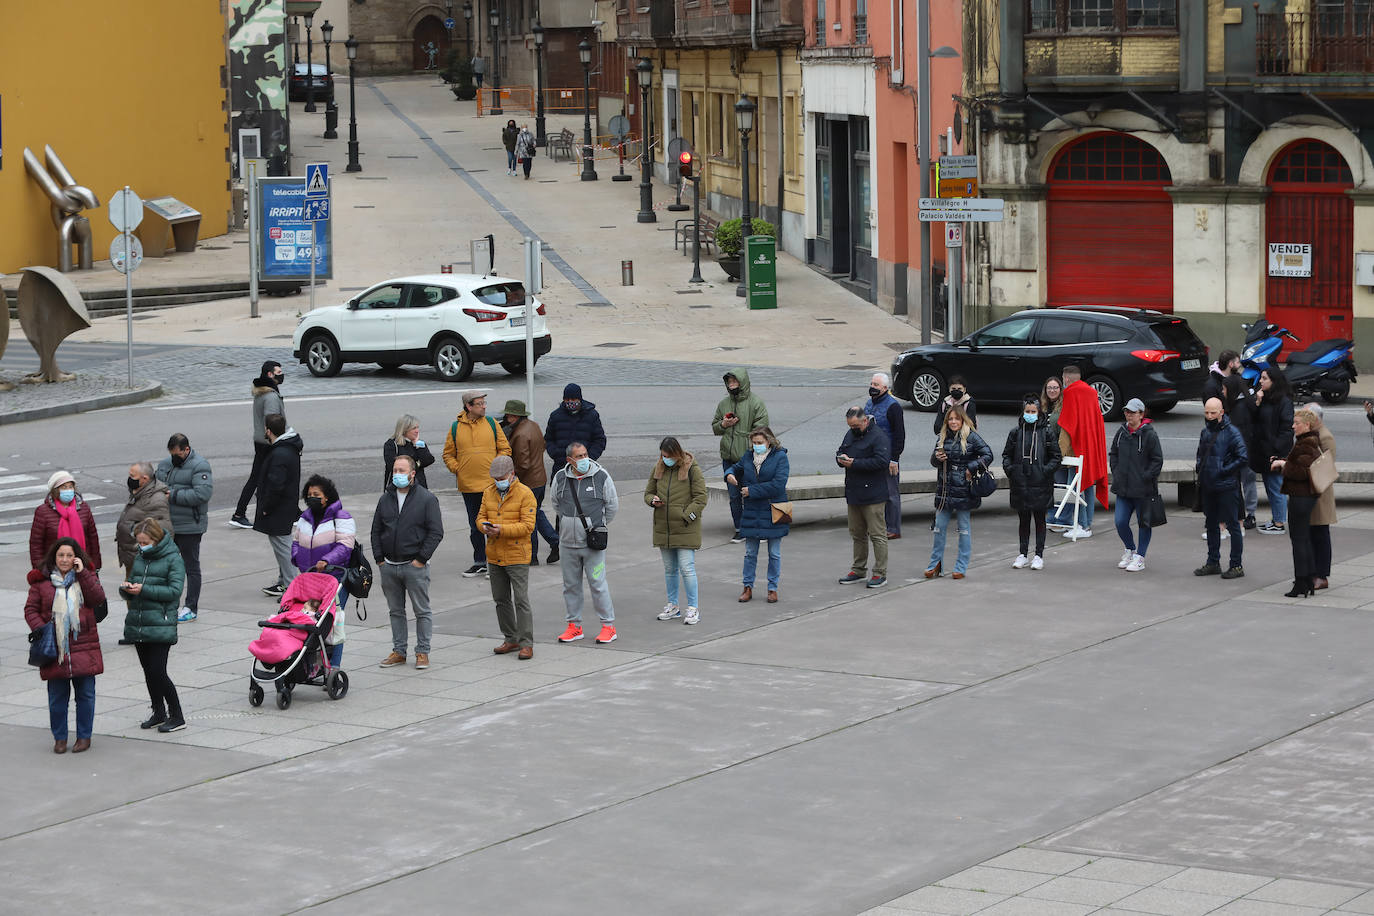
{"type": "Point", "coordinates": [730, 242]}
{"type": "Point", "coordinates": [458, 74]}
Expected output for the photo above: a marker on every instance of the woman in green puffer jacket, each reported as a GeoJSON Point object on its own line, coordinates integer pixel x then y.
{"type": "Point", "coordinates": [153, 593]}
{"type": "Point", "coordinates": [676, 491]}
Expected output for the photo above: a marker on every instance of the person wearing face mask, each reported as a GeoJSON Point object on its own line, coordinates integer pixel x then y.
{"type": "Point", "coordinates": [322, 541]}
{"type": "Point", "coordinates": [277, 508]}
{"type": "Point", "coordinates": [1221, 456]}
{"type": "Point", "coordinates": [267, 400]}
{"type": "Point", "coordinates": [153, 591]}
{"type": "Point", "coordinates": [406, 441]}
{"type": "Point", "coordinates": [507, 518]}
{"type": "Point", "coordinates": [1136, 458]}
{"type": "Point", "coordinates": [147, 499]}
{"type": "Point", "coordinates": [1029, 459]}
{"type": "Point", "coordinates": [676, 491]}
{"type": "Point", "coordinates": [959, 454]}
{"type": "Point", "coordinates": [406, 530]}
{"type": "Point", "coordinates": [509, 135]}
{"type": "Point", "coordinates": [864, 456]}
{"type": "Point", "coordinates": [958, 397]}
{"type": "Point", "coordinates": [473, 441]}
{"type": "Point", "coordinates": [189, 488]}
{"type": "Point", "coordinates": [584, 497]}
{"type": "Point", "coordinates": [65, 590]}
{"type": "Point", "coordinates": [886, 411]}
{"type": "Point", "coordinates": [63, 513]}
{"type": "Point", "coordinates": [762, 481]}
{"type": "Point", "coordinates": [738, 412]}
{"type": "Point", "coordinates": [527, 451]}
{"type": "Point", "coordinates": [574, 420]}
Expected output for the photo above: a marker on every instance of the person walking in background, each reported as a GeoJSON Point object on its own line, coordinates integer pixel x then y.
{"type": "Point", "coordinates": [407, 529]}
{"type": "Point", "coordinates": [1296, 471]}
{"type": "Point", "coordinates": [886, 411]}
{"type": "Point", "coordinates": [1083, 433]}
{"type": "Point", "coordinates": [527, 451]}
{"type": "Point", "coordinates": [1029, 459]}
{"type": "Point", "coordinates": [63, 514]}
{"type": "Point", "coordinates": [586, 502]}
{"type": "Point", "coordinates": [267, 400]}
{"type": "Point", "coordinates": [190, 486]}
{"type": "Point", "coordinates": [406, 441]}
{"type": "Point", "coordinates": [1136, 458]}
{"type": "Point", "coordinates": [1271, 437]}
{"type": "Point", "coordinates": [153, 591]}
{"type": "Point", "coordinates": [473, 441]}
{"type": "Point", "coordinates": [574, 420]}
{"type": "Point", "coordinates": [762, 481]}
{"type": "Point", "coordinates": [147, 499]}
{"type": "Point", "coordinates": [507, 520]}
{"type": "Point", "coordinates": [277, 509]}
{"type": "Point", "coordinates": [1324, 513]}
{"type": "Point", "coordinates": [676, 491]}
{"type": "Point", "coordinates": [864, 456]}
{"type": "Point", "coordinates": [1221, 457]}
{"type": "Point", "coordinates": [959, 454]}
{"type": "Point", "coordinates": [525, 149]}
{"type": "Point", "coordinates": [479, 70]}
{"type": "Point", "coordinates": [322, 541]}
{"type": "Point", "coordinates": [64, 590]}
{"type": "Point", "coordinates": [738, 413]}
{"type": "Point", "coordinates": [958, 397]}
{"type": "Point", "coordinates": [509, 133]}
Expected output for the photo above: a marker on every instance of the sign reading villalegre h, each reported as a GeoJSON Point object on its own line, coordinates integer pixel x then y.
{"type": "Point", "coordinates": [285, 238]}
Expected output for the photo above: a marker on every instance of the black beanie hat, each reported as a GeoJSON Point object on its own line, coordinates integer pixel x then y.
{"type": "Point", "coordinates": [572, 392]}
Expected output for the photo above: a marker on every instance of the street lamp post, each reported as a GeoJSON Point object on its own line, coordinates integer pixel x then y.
{"type": "Point", "coordinates": [744, 120]}
{"type": "Point", "coordinates": [310, 64]}
{"type": "Point", "coordinates": [540, 138]}
{"type": "Point", "coordinates": [351, 46]}
{"type": "Point", "coordinates": [467, 25]}
{"type": "Point", "coordinates": [494, 16]}
{"type": "Point", "coordinates": [448, 23]}
{"type": "Point", "coordinates": [295, 43]}
{"type": "Point", "coordinates": [645, 69]}
{"type": "Point", "coordinates": [584, 54]}
{"type": "Point", "coordinates": [331, 110]}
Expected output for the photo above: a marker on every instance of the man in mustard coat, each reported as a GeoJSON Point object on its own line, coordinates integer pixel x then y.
{"type": "Point", "coordinates": [473, 441]}
{"type": "Point", "coordinates": [507, 521]}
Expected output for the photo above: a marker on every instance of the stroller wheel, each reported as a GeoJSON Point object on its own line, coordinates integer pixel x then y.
{"type": "Point", "coordinates": [283, 697]}
{"type": "Point", "coordinates": [254, 693]}
{"type": "Point", "coordinates": [337, 684]}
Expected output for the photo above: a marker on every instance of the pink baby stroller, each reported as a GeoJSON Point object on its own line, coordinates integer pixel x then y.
{"type": "Point", "coordinates": [291, 649]}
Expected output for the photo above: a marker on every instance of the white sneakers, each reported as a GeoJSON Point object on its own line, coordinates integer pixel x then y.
{"type": "Point", "coordinates": [1224, 534]}
{"type": "Point", "coordinates": [1037, 563]}
{"type": "Point", "coordinates": [1126, 556]}
{"type": "Point", "coordinates": [1021, 562]}
{"type": "Point", "coordinates": [670, 612]}
{"type": "Point", "coordinates": [1077, 533]}
{"type": "Point", "coordinates": [1136, 565]}
{"type": "Point", "coordinates": [693, 616]}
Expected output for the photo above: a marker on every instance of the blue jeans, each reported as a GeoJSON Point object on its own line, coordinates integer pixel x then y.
{"type": "Point", "coordinates": [59, 695]}
{"type": "Point", "coordinates": [1127, 506]}
{"type": "Point", "coordinates": [510, 159]}
{"type": "Point", "coordinates": [542, 526]}
{"type": "Point", "coordinates": [736, 504]}
{"type": "Point", "coordinates": [680, 561]}
{"type": "Point", "coordinates": [751, 561]}
{"type": "Point", "coordinates": [937, 549]}
{"type": "Point", "coordinates": [1278, 503]}
{"type": "Point", "coordinates": [892, 512]}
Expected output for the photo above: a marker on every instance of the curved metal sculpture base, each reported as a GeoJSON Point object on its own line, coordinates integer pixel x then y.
{"type": "Point", "coordinates": [50, 310]}
{"type": "Point", "coordinates": [4, 335]}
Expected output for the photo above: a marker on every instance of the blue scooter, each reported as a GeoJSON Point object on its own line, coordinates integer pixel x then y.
{"type": "Point", "coordinates": [1324, 368]}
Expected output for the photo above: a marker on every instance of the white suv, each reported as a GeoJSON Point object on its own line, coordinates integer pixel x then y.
{"type": "Point", "coordinates": [449, 321]}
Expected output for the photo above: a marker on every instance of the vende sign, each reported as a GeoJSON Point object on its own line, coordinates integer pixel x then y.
{"type": "Point", "coordinates": [1290, 259]}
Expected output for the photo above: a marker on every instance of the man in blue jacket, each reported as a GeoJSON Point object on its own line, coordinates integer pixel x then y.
{"type": "Point", "coordinates": [864, 456]}
{"type": "Point", "coordinates": [189, 488]}
{"type": "Point", "coordinates": [886, 411]}
{"type": "Point", "coordinates": [1221, 456]}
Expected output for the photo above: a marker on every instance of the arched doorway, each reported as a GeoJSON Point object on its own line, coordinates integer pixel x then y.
{"type": "Point", "coordinates": [430, 34]}
{"type": "Point", "coordinates": [1110, 231]}
{"type": "Point", "coordinates": [1308, 290]}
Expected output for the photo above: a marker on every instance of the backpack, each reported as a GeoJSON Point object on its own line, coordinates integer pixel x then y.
{"type": "Point", "coordinates": [358, 578]}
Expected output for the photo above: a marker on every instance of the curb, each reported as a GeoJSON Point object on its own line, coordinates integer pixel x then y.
{"type": "Point", "coordinates": [149, 390]}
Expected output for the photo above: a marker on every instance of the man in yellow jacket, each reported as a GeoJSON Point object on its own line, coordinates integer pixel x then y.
{"type": "Point", "coordinates": [507, 520]}
{"type": "Point", "coordinates": [473, 441]}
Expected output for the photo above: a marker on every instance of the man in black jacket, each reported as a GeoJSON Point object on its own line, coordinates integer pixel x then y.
{"type": "Point", "coordinates": [406, 530]}
{"type": "Point", "coordinates": [278, 486]}
{"type": "Point", "coordinates": [574, 420]}
{"type": "Point", "coordinates": [864, 455]}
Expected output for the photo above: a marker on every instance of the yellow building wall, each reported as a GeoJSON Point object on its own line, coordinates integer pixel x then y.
{"type": "Point", "coordinates": [124, 98]}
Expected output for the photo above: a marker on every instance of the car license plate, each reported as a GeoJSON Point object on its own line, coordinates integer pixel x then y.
{"type": "Point", "coordinates": [520, 323]}
{"type": "Point", "coordinates": [1192, 364]}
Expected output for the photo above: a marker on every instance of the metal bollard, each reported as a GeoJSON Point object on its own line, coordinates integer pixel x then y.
{"type": "Point", "coordinates": [627, 273]}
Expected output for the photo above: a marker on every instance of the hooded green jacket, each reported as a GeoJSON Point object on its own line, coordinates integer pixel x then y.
{"type": "Point", "coordinates": [734, 440]}
{"type": "Point", "coordinates": [152, 613]}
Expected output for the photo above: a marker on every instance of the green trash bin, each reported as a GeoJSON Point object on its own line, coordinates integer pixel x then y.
{"type": "Point", "coordinates": [761, 272]}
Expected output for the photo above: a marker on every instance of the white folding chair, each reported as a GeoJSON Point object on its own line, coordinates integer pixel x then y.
{"type": "Point", "coordinates": [1073, 490]}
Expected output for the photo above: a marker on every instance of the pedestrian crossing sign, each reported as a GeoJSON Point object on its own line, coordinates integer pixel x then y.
{"type": "Point", "coordinates": [317, 179]}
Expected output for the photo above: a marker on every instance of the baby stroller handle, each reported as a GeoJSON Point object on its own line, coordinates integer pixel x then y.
{"type": "Point", "coordinates": [284, 626]}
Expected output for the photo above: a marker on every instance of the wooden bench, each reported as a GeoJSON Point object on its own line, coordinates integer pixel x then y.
{"type": "Point", "coordinates": [561, 143]}
{"type": "Point", "coordinates": [683, 232]}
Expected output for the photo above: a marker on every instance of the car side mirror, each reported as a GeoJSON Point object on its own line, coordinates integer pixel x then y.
{"type": "Point", "coordinates": [353, 304]}
{"type": "Point", "coordinates": [968, 342]}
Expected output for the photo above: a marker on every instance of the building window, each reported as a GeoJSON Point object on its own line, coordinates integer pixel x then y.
{"type": "Point", "coordinates": [820, 23]}
{"type": "Point", "coordinates": [722, 129]}
{"type": "Point", "coordinates": [1102, 15]}
{"type": "Point", "coordinates": [789, 120]}
{"type": "Point", "coordinates": [823, 178]}
{"type": "Point", "coordinates": [1310, 162]}
{"type": "Point", "coordinates": [1111, 157]}
{"type": "Point", "coordinates": [863, 190]}
{"type": "Point", "coordinates": [861, 22]}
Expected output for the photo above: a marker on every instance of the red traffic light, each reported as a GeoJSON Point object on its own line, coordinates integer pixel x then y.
{"type": "Point", "coordinates": [684, 164]}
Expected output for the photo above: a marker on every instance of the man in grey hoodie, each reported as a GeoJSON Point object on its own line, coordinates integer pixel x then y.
{"type": "Point", "coordinates": [584, 496]}
{"type": "Point", "coordinates": [267, 400]}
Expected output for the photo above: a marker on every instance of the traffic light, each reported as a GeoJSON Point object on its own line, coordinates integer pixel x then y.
{"type": "Point", "coordinates": [684, 164]}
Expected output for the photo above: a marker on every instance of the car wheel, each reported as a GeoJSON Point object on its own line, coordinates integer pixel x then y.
{"type": "Point", "coordinates": [927, 387]}
{"type": "Point", "coordinates": [1108, 397]}
{"type": "Point", "coordinates": [1339, 395]}
{"type": "Point", "coordinates": [514, 368]}
{"type": "Point", "coordinates": [452, 360]}
{"type": "Point", "coordinates": [322, 356]}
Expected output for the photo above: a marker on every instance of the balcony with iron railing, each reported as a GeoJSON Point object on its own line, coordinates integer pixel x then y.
{"type": "Point", "coordinates": [1338, 42]}
{"type": "Point", "coordinates": [686, 24]}
{"type": "Point", "coordinates": [820, 33]}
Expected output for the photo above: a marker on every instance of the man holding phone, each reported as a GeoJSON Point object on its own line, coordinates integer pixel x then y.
{"type": "Point", "coordinates": [738, 414]}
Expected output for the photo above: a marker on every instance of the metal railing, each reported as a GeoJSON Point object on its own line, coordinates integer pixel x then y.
{"type": "Point", "coordinates": [860, 30]}
{"type": "Point", "coordinates": [820, 33]}
{"type": "Point", "coordinates": [1339, 41]}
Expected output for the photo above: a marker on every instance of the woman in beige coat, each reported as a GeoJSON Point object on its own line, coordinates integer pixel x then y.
{"type": "Point", "coordinates": [1324, 514]}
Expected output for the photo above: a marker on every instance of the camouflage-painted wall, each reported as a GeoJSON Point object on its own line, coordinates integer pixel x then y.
{"type": "Point", "coordinates": [258, 78]}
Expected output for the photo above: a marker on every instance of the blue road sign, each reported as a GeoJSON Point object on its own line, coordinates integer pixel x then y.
{"type": "Point", "coordinates": [317, 209]}
{"type": "Point", "coordinates": [449, 23]}
{"type": "Point", "coordinates": [317, 179]}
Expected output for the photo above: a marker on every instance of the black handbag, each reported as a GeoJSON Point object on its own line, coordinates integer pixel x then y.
{"type": "Point", "coordinates": [1154, 514]}
{"type": "Point", "coordinates": [597, 537]}
{"type": "Point", "coordinates": [43, 646]}
{"type": "Point", "coordinates": [983, 484]}
{"type": "Point", "coordinates": [358, 577]}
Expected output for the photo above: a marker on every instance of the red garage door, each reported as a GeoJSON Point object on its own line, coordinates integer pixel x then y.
{"type": "Point", "coordinates": [1111, 236]}
{"type": "Point", "coordinates": [1308, 206]}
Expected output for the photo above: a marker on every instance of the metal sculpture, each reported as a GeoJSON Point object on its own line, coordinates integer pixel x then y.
{"type": "Point", "coordinates": [4, 333]}
{"type": "Point", "coordinates": [50, 310]}
{"type": "Point", "coordinates": [68, 200]}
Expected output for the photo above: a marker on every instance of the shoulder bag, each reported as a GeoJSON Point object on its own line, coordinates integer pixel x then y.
{"type": "Point", "coordinates": [782, 513]}
{"type": "Point", "coordinates": [43, 646]}
{"type": "Point", "coordinates": [1154, 515]}
{"type": "Point", "coordinates": [358, 577]}
{"type": "Point", "coordinates": [1322, 472]}
{"type": "Point", "coordinates": [597, 537]}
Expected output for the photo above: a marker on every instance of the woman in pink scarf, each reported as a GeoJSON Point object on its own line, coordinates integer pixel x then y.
{"type": "Point", "coordinates": [63, 514]}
